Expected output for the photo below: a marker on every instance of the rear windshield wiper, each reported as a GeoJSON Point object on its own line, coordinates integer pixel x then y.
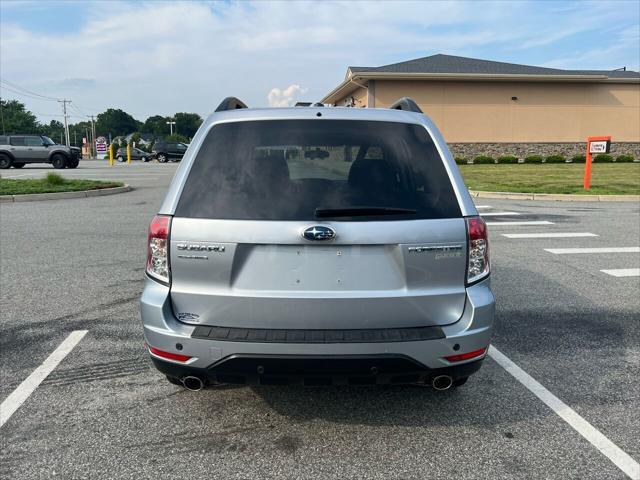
{"type": "Point", "coordinates": [362, 211]}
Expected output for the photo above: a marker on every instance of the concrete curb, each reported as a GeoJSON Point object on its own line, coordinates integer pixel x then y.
{"type": "Point", "coordinates": [555, 197]}
{"type": "Point", "coordinates": [35, 197]}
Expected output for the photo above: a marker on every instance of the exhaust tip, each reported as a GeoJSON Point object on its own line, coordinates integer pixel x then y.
{"type": "Point", "coordinates": [442, 382]}
{"type": "Point", "coordinates": [193, 384]}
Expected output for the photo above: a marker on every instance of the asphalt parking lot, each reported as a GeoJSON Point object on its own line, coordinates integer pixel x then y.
{"type": "Point", "coordinates": [569, 319]}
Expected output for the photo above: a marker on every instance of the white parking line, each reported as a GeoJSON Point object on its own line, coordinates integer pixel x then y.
{"type": "Point", "coordinates": [482, 207]}
{"type": "Point", "coordinates": [623, 272]}
{"type": "Point", "coordinates": [562, 251]}
{"type": "Point", "coordinates": [28, 386]}
{"type": "Point", "coordinates": [516, 224]}
{"type": "Point", "coordinates": [498, 214]}
{"type": "Point", "coordinates": [549, 235]}
{"type": "Point", "coordinates": [619, 457]}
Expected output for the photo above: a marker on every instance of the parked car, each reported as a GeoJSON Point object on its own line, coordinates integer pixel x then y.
{"type": "Point", "coordinates": [365, 262]}
{"type": "Point", "coordinates": [18, 150]}
{"type": "Point", "coordinates": [165, 151]}
{"type": "Point", "coordinates": [136, 154]}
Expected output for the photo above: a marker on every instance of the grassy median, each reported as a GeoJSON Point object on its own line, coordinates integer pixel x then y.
{"type": "Point", "coordinates": [606, 178]}
{"type": "Point", "coordinates": [50, 184]}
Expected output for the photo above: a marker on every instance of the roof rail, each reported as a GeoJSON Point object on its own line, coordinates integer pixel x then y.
{"type": "Point", "coordinates": [406, 103]}
{"type": "Point", "coordinates": [230, 103]}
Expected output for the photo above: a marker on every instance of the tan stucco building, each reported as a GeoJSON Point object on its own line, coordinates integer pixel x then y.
{"type": "Point", "coordinates": [480, 101]}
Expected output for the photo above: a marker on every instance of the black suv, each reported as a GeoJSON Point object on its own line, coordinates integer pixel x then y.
{"type": "Point", "coordinates": [18, 150]}
{"type": "Point", "coordinates": [163, 151]}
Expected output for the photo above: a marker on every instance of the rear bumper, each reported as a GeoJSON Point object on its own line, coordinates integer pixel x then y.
{"type": "Point", "coordinates": [422, 355]}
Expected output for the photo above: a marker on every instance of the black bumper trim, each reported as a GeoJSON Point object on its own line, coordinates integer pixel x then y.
{"type": "Point", "coordinates": [316, 370]}
{"type": "Point", "coordinates": [261, 335]}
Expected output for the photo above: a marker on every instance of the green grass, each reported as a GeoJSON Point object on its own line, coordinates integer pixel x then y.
{"type": "Point", "coordinates": [51, 183]}
{"type": "Point", "coordinates": [606, 179]}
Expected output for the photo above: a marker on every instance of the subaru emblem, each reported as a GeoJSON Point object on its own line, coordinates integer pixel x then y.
{"type": "Point", "coordinates": [319, 232]}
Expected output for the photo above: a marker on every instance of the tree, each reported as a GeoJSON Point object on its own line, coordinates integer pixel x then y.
{"type": "Point", "coordinates": [157, 124]}
{"type": "Point", "coordinates": [115, 122]}
{"type": "Point", "coordinates": [176, 137]}
{"type": "Point", "coordinates": [15, 118]}
{"type": "Point", "coordinates": [187, 123]}
{"type": "Point", "coordinates": [54, 130]}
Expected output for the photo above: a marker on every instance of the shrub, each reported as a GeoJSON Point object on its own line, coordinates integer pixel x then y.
{"type": "Point", "coordinates": [625, 158]}
{"type": "Point", "coordinates": [578, 159]}
{"type": "Point", "coordinates": [603, 158]}
{"type": "Point", "coordinates": [54, 179]}
{"type": "Point", "coordinates": [555, 159]}
{"type": "Point", "coordinates": [461, 160]}
{"type": "Point", "coordinates": [507, 159]}
{"type": "Point", "coordinates": [480, 159]}
{"type": "Point", "coordinates": [533, 159]}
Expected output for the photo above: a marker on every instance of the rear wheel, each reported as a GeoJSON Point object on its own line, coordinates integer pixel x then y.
{"type": "Point", "coordinates": [162, 158]}
{"type": "Point", "coordinates": [144, 159]}
{"type": "Point", "coordinates": [17, 165]}
{"type": "Point", "coordinates": [58, 161]}
{"type": "Point", "coordinates": [73, 163]}
{"type": "Point", "coordinates": [5, 161]}
{"type": "Point", "coordinates": [120, 158]}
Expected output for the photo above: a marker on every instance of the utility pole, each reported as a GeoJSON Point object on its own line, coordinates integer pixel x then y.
{"type": "Point", "coordinates": [93, 138]}
{"type": "Point", "coordinates": [171, 124]}
{"type": "Point", "coordinates": [66, 123]}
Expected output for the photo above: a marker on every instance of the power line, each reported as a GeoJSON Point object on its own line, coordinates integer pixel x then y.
{"type": "Point", "coordinates": [13, 85]}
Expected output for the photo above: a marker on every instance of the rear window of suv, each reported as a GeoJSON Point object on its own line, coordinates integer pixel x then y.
{"type": "Point", "coordinates": [294, 169]}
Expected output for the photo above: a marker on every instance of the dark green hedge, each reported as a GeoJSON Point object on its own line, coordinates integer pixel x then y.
{"type": "Point", "coordinates": [533, 159]}
{"type": "Point", "coordinates": [578, 159]}
{"type": "Point", "coordinates": [603, 158]}
{"type": "Point", "coordinates": [461, 160]}
{"type": "Point", "coordinates": [507, 159]}
{"type": "Point", "coordinates": [625, 158]}
{"type": "Point", "coordinates": [555, 159]}
{"type": "Point", "coordinates": [483, 159]}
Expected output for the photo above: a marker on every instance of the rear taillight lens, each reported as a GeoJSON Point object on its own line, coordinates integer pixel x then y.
{"type": "Point", "coordinates": [478, 249]}
{"type": "Point", "coordinates": [158, 249]}
{"type": "Point", "coordinates": [465, 356]}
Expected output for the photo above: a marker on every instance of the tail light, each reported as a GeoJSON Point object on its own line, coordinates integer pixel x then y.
{"type": "Point", "coordinates": [158, 249]}
{"type": "Point", "coordinates": [478, 250]}
{"type": "Point", "coordinates": [169, 355]}
{"type": "Point", "coordinates": [466, 356]}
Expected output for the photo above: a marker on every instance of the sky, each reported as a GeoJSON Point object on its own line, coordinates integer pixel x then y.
{"type": "Point", "coordinates": [162, 57]}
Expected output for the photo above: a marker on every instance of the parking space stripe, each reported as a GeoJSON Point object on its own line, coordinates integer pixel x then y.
{"type": "Point", "coordinates": [619, 457]}
{"type": "Point", "coordinates": [549, 235]}
{"type": "Point", "coordinates": [623, 272]}
{"type": "Point", "coordinates": [498, 214]}
{"type": "Point", "coordinates": [563, 251]}
{"type": "Point", "coordinates": [481, 207]}
{"type": "Point", "coordinates": [516, 224]}
{"type": "Point", "coordinates": [28, 386]}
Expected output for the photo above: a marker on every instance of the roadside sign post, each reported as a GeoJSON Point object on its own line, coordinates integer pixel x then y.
{"type": "Point", "coordinates": [128, 154]}
{"type": "Point", "coordinates": [594, 145]}
{"type": "Point", "coordinates": [111, 155]}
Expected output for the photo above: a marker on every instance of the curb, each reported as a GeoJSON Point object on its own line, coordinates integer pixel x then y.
{"type": "Point", "coordinates": [35, 197]}
{"type": "Point", "coordinates": [555, 197]}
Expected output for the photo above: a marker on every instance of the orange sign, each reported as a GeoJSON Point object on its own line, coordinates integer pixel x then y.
{"type": "Point", "coordinates": [594, 145]}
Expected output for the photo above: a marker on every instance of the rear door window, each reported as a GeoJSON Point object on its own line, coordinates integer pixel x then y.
{"type": "Point", "coordinates": [292, 169]}
{"type": "Point", "coordinates": [17, 141]}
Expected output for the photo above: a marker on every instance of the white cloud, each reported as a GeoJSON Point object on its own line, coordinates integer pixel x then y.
{"type": "Point", "coordinates": [286, 97]}
{"type": "Point", "coordinates": [160, 57]}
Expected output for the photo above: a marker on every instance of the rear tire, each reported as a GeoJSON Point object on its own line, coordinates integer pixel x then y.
{"type": "Point", "coordinates": [58, 161]}
{"type": "Point", "coordinates": [5, 162]}
{"type": "Point", "coordinates": [162, 158]}
{"type": "Point", "coordinates": [17, 165]}
{"type": "Point", "coordinates": [459, 382]}
{"type": "Point", "coordinates": [73, 164]}
{"type": "Point", "coordinates": [120, 158]}
{"type": "Point", "coordinates": [144, 159]}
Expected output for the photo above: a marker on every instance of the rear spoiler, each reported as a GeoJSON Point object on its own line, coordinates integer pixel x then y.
{"type": "Point", "coordinates": [230, 103]}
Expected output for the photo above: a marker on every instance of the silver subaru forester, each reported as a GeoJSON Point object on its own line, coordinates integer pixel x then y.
{"type": "Point", "coordinates": [317, 245]}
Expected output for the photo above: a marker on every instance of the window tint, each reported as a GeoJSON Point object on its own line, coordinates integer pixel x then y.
{"type": "Point", "coordinates": [285, 170]}
{"type": "Point", "coordinates": [4, 140]}
{"type": "Point", "coordinates": [17, 141]}
{"type": "Point", "coordinates": [33, 141]}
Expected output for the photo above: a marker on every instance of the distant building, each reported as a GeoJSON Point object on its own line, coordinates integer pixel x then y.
{"type": "Point", "coordinates": [486, 107]}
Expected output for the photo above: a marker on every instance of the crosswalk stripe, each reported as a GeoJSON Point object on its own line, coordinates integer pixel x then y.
{"type": "Point", "coordinates": [515, 224]}
{"type": "Point", "coordinates": [498, 214]}
{"type": "Point", "coordinates": [561, 251]}
{"type": "Point", "coordinates": [623, 272]}
{"type": "Point", "coordinates": [549, 235]}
